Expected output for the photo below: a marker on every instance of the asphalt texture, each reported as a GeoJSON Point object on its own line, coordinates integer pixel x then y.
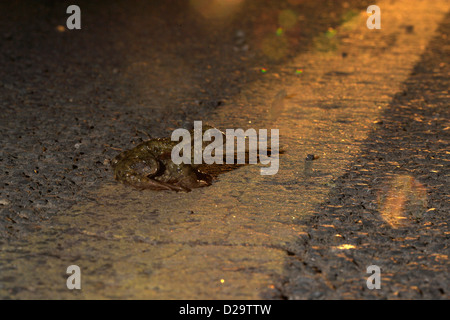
{"type": "Point", "coordinates": [72, 100]}
{"type": "Point", "coordinates": [410, 144]}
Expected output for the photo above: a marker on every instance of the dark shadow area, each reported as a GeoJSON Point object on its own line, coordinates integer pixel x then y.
{"type": "Point", "coordinates": [391, 207]}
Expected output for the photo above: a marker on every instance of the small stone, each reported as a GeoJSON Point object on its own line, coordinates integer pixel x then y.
{"type": "Point", "coordinates": [4, 202]}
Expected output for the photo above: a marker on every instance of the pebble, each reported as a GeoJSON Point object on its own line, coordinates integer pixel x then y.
{"type": "Point", "coordinates": [4, 202]}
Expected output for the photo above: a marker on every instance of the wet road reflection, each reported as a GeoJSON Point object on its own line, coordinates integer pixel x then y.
{"type": "Point", "coordinates": [406, 198]}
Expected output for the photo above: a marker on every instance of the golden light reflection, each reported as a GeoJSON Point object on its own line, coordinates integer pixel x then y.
{"type": "Point", "coordinates": [406, 197]}
{"type": "Point", "coordinates": [345, 247]}
{"type": "Point", "coordinates": [215, 9]}
{"type": "Point", "coordinates": [439, 257]}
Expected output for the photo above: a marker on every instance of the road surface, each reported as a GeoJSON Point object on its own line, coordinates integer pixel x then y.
{"type": "Point", "coordinates": [371, 106]}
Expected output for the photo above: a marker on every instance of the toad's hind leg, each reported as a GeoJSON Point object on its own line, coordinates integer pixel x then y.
{"type": "Point", "coordinates": [193, 178]}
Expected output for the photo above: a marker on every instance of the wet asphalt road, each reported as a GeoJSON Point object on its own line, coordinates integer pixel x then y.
{"type": "Point", "coordinates": [71, 100]}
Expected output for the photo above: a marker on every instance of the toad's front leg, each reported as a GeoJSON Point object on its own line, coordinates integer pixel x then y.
{"type": "Point", "coordinates": [138, 173]}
